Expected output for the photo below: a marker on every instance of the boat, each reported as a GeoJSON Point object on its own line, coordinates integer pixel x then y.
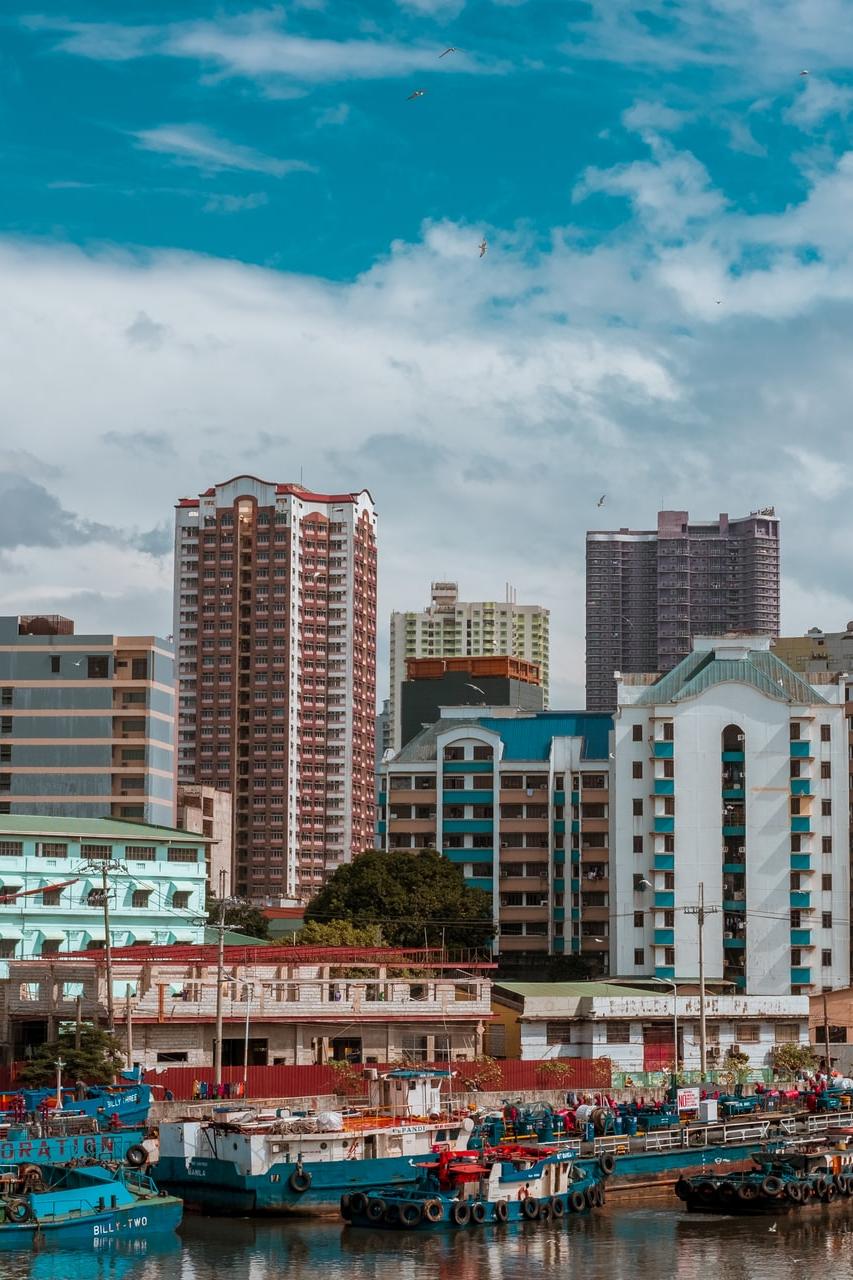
{"type": "Point", "coordinates": [35, 1144]}
{"type": "Point", "coordinates": [512, 1183]}
{"type": "Point", "coordinates": [777, 1182]}
{"type": "Point", "coordinates": [66, 1205]}
{"type": "Point", "coordinates": [295, 1163]}
{"type": "Point", "coordinates": [127, 1103]}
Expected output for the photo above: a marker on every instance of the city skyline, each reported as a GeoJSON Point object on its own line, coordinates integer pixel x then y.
{"type": "Point", "coordinates": [235, 240]}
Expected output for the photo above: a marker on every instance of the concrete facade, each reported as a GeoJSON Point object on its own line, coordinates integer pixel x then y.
{"type": "Point", "coordinates": [732, 772]}
{"type": "Point", "coordinates": [521, 803]}
{"type": "Point", "coordinates": [52, 889]}
{"type": "Point", "coordinates": [433, 683]}
{"type": "Point", "coordinates": [275, 622]}
{"type": "Point", "coordinates": [636, 1028]}
{"type": "Point", "coordinates": [650, 591]}
{"type": "Point", "coordinates": [304, 1006]}
{"type": "Point", "coordinates": [87, 722]}
{"type": "Point", "coordinates": [451, 628]}
{"type": "Point", "coordinates": [207, 811]}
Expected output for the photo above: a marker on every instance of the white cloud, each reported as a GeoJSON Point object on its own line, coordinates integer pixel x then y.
{"type": "Point", "coordinates": [818, 99]}
{"type": "Point", "coordinates": [333, 115]}
{"type": "Point", "coordinates": [224, 203]}
{"type": "Point", "coordinates": [200, 147]}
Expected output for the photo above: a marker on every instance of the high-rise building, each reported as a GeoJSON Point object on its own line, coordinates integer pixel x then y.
{"type": "Point", "coordinates": [452, 628]}
{"type": "Point", "coordinates": [433, 683]}
{"type": "Point", "coordinates": [730, 772]}
{"type": "Point", "coordinates": [275, 622]}
{"type": "Point", "coordinates": [649, 592]}
{"type": "Point", "coordinates": [207, 811]}
{"type": "Point", "coordinates": [519, 801]}
{"type": "Point", "coordinates": [87, 723]}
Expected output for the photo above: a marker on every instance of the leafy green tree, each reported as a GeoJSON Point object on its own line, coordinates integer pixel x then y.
{"type": "Point", "coordinates": [339, 933]}
{"type": "Point", "coordinates": [240, 916]}
{"type": "Point", "coordinates": [95, 1062]}
{"type": "Point", "coordinates": [415, 896]}
{"type": "Point", "coordinates": [789, 1059]}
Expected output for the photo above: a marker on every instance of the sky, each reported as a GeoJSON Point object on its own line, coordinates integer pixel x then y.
{"type": "Point", "coordinates": [230, 242]}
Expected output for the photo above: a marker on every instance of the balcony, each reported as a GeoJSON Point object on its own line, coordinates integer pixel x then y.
{"type": "Point", "coordinates": [801, 749]}
{"type": "Point", "coordinates": [663, 750]}
{"type": "Point", "coordinates": [664, 787]}
{"type": "Point", "coordinates": [800, 900]}
{"type": "Point", "coordinates": [732, 757]}
{"type": "Point", "coordinates": [801, 862]}
{"type": "Point", "coordinates": [664, 937]}
{"type": "Point", "coordinates": [664, 862]}
{"type": "Point", "coordinates": [801, 938]}
{"type": "Point", "coordinates": [801, 977]}
{"type": "Point", "coordinates": [466, 797]}
{"type": "Point", "coordinates": [801, 787]}
{"type": "Point", "coordinates": [664, 825]}
{"type": "Point", "coordinates": [474, 826]}
{"type": "Point", "coordinates": [800, 825]}
{"type": "Point", "coordinates": [664, 899]}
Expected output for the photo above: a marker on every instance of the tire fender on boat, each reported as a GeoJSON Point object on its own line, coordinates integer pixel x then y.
{"type": "Point", "coordinates": [18, 1210]}
{"type": "Point", "coordinates": [558, 1206]}
{"type": "Point", "coordinates": [577, 1201]}
{"type": "Point", "coordinates": [376, 1209]}
{"type": "Point", "coordinates": [410, 1213]}
{"type": "Point", "coordinates": [530, 1207]}
{"type": "Point", "coordinates": [433, 1211]}
{"type": "Point", "coordinates": [136, 1156]}
{"type": "Point", "coordinates": [772, 1186]}
{"type": "Point", "coordinates": [300, 1180]}
{"type": "Point", "coordinates": [461, 1213]}
{"type": "Point", "coordinates": [357, 1202]}
{"type": "Point", "coordinates": [478, 1211]}
{"type": "Point", "coordinates": [607, 1163]}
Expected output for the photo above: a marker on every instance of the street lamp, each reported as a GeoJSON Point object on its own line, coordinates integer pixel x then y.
{"type": "Point", "coordinates": [250, 995]}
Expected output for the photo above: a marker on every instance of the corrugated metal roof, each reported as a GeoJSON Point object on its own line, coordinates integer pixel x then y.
{"type": "Point", "coordinates": [551, 990]}
{"type": "Point", "coordinates": [524, 737]}
{"type": "Point", "coordinates": [700, 671]}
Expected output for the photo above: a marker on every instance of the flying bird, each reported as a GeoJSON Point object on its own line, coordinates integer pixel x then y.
{"type": "Point", "coordinates": [600, 502]}
{"type": "Point", "coordinates": [774, 1227]}
{"type": "Point", "coordinates": [451, 48]}
{"type": "Point", "coordinates": [476, 688]}
{"type": "Point", "coordinates": [804, 73]}
{"type": "Point", "coordinates": [483, 247]}
{"type": "Point", "coordinates": [417, 93]}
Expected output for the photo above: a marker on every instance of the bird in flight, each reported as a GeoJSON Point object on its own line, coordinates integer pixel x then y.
{"type": "Point", "coordinates": [417, 93]}
{"type": "Point", "coordinates": [601, 500]}
{"type": "Point", "coordinates": [775, 1227]}
{"type": "Point", "coordinates": [483, 247]}
{"type": "Point", "coordinates": [450, 49]}
{"type": "Point", "coordinates": [804, 73]}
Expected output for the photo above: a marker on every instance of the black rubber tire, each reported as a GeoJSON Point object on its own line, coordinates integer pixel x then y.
{"type": "Point", "coordinates": [682, 1188]}
{"type": "Point", "coordinates": [727, 1190]}
{"type": "Point", "coordinates": [410, 1214]}
{"type": "Point", "coordinates": [460, 1213]}
{"type": "Point", "coordinates": [842, 1183]}
{"type": "Point", "coordinates": [819, 1187]}
{"type": "Point", "coordinates": [545, 1213]}
{"type": "Point", "coordinates": [706, 1190]}
{"type": "Point", "coordinates": [478, 1212]}
{"type": "Point", "coordinates": [18, 1210]}
{"type": "Point", "coordinates": [346, 1207]}
{"type": "Point", "coordinates": [391, 1215]}
{"type": "Point", "coordinates": [357, 1203]}
{"type": "Point", "coordinates": [135, 1156]}
{"type": "Point", "coordinates": [558, 1207]}
{"type": "Point", "coordinates": [794, 1192]}
{"type": "Point", "coordinates": [530, 1208]}
{"type": "Point", "coordinates": [806, 1190]}
{"type": "Point", "coordinates": [830, 1193]}
{"type": "Point", "coordinates": [747, 1191]}
{"type": "Point", "coordinates": [433, 1211]}
{"type": "Point", "coordinates": [577, 1201]}
{"type": "Point", "coordinates": [772, 1186]}
{"type": "Point", "coordinates": [501, 1211]}
{"type": "Point", "coordinates": [299, 1181]}
{"type": "Point", "coordinates": [607, 1163]}
{"type": "Point", "coordinates": [375, 1211]}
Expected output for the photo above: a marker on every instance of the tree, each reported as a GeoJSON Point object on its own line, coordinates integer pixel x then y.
{"type": "Point", "coordinates": [240, 916]}
{"type": "Point", "coordinates": [339, 933]}
{"type": "Point", "coordinates": [416, 896]}
{"type": "Point", "coordinates": [96, 1061]}
{"type": "Point", "coordinates": [789, 1059]}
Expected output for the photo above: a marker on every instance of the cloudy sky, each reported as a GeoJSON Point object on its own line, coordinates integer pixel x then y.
{"type": "Point", "coordinates": [230, 243]}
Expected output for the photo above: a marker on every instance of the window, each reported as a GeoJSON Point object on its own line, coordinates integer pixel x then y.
{"type": "Point", "coordinates": [5, 753]}
{"type": "Point", "coordinates": [5, 724]}
{"type": "Point", "coordinates": [95, 897]}
{"type": "Point", "coordinates": [50, 849]}
{"type": "Point", "coordinates": [414, 1048]}
{"type": "Point", "coordinates": [617, 1032]}
{"type": "Point", "coordinates": [637, 769]}
{"type": "Point", "coordinates": [826, 768]}
{"type": "Point", "coordinates": [54, 664]}
{"type": "Point", "coordinates": [98, 667]}
{"type": "Point", "coordinates": [826, 808]}
{"type": "Point", "coordinates": [481, 869]}
{"type": "Point", "coordinates": [482, 753]}
{"type": "Point", "coordinates": [100, 852]}
{"type": "Point", "coordinates": [141, 852]}
{"type": "Point", "coordinates": [637, 733]}
{"type": "Point", "coordinates": [181, 899]}
{"type": "Point", "coordinates": [11, 848]}
{"type": "Point", "coordinates": [669, 955]}
{"type": "Point", "coordinates": [139, 669]}
{"type": "Point", "coordinates": [139, 897]}
{"type": "Point", "coordinates": [825, 733]}
{"type": "Point", "coordinates": [795, 804]}
{"type": "Point", "coordinates": [668, 731]}
{"type": "Point", "coordinates": [796, 919]}
{"type": "Point", "coordinates": [826, 959]}
{"type": "Point", "coordinates": [638, 844]}
{"type": "Point", "coordinates": [748, 1032]}
{"type": "Point", "coordinates": [558, 1032]}
{"type": "Point", "coordinates": [826, 920]}
{"type": "Point", "coordinates": [826, 844]}
{"type": "Point", "coordinates": [51, 898]}
{"type": "Point", "coordinates": [638, 808]}
{"type": "Point", "coordinates": [826, 881]}
{"type": "Point", "coordinates": [172, 1055]}
{"type": "Point", "coordinates": [183, 855]}
{"type": "Point", "coordinates": [795, 731]}
{"type": "Point", "coordinates": [639, 955]}
{"type": "Point", "coordinates": [639, 920]}
{"type": "Point", "coordinates": [6, 697]}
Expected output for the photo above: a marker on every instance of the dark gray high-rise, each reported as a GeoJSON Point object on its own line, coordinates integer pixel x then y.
{"type": "Point", "coordinates": [649, 592]}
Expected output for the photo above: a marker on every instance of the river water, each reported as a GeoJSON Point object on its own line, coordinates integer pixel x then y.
{"type": "Point", "coordinates": [652, 1241]}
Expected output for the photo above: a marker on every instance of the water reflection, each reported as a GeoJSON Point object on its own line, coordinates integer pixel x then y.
{"type": "Point", "coordinates": [648, 1242]}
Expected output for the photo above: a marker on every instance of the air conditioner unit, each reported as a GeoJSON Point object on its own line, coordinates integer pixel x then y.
{"type": "Point", "coordinates": [734, 1049]}
{"type": "Point", "coordinates": [713, 1053]}
{"type": "Point", "coordinates": [741, 848]}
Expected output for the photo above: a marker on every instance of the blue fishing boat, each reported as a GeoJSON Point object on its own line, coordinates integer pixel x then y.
{"type": "Point", "coordinates": [489, 1187]}
{"type": "Point", "coordinates": [107, 1105]}
{"type": "Point", "coordinates": [33, 1145]}
{"type": "Point", "coordinates": [283, 1163]}
{"type": "Point", "coordinates": [67, 1205]}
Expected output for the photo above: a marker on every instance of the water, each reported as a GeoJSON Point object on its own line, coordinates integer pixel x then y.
{"type": "Point", "coordinates": [639, 1242]}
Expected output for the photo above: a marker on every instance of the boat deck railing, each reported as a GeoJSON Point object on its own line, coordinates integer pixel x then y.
{"type": "Point", "coordinates": [787, 1128]}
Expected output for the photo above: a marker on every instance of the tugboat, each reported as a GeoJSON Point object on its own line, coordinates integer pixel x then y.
{"type": "Point", "coordinates": [73, 1205]}
{"type": "Point", "coordinates": [778, 1182]}
{"type": "Point", "coordinates": [494, 1186]}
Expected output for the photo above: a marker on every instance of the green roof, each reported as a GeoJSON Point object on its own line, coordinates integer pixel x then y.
{"type": "Point", "coordinates": [702, 669]}
{"type": "Point", "coordinates": [569, 989]}
{"type": "Point", "coordinates": [98, 828]}
{"type": "Point", "coordinates": [233, 939]}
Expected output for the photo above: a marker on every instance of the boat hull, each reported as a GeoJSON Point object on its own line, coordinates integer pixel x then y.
{"type": "Point", "coordinates": [218, 1186]}
{"type": "Point", "coordinates": [82, 1146]}
{"type": "Point", "coordinates": [155, 1216]}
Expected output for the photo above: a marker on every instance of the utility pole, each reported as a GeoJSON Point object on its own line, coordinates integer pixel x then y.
{"type": "Point", "coordinates": [128, 1015]}
{"type": "Point", "coordinates": [220, 968]}
{"type": "Point", "coordinates": [700, 912]}
{"type": "Point", "coordinates": [826, 1038]}
{"type": "Point", "coordinates": [102, 867]}
{"type": "Point", "coordinates": [78, 1021]}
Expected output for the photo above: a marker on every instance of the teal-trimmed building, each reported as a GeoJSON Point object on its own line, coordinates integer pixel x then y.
{"type": "Point", "coordinates": [519, 800]}
{"type": "Point", "coordinates": [51, 889]}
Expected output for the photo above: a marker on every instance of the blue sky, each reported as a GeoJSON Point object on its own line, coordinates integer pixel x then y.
{"type": "Point", "coordinates": [229, 243]}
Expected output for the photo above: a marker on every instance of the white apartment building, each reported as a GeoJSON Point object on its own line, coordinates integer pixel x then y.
{"type": "Point", "coordinates": [452, 628]}
{"type": "Point", "coordinates": [730, 772]}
